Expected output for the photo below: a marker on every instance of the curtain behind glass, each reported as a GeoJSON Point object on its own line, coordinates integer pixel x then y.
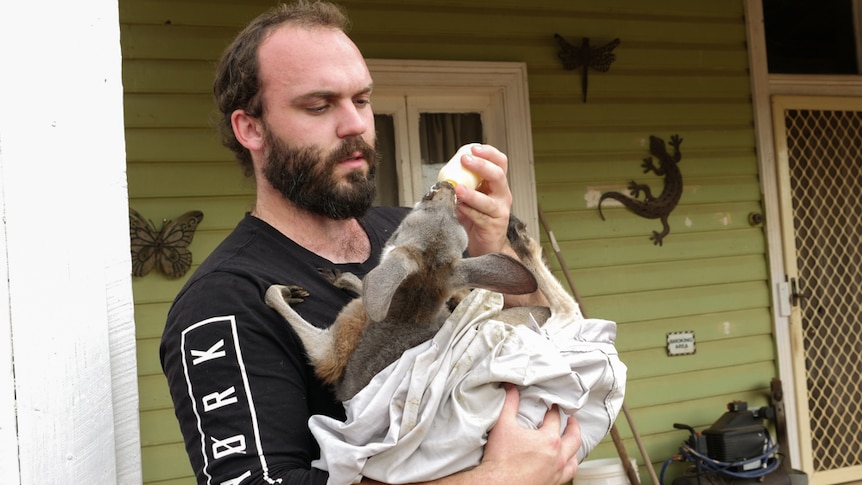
{"type": "Point", "coordinates": [441, 135]}
{"type": "Point", "coordinates": [387, 172]}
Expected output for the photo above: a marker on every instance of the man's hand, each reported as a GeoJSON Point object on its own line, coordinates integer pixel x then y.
{"type": "Point", "coordinates": [518, 455]}
{"type": "Point", "coordinates": [484, 212]}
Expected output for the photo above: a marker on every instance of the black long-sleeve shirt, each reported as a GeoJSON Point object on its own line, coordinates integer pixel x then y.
{"type": "Point", "coordinates": [238, 375]}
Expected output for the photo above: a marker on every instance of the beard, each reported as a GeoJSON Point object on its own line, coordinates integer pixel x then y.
{"type": "Point", "coordinates": [306, 177]}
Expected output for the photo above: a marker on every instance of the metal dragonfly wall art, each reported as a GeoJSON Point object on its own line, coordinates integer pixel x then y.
{"type": "Point", "coordinates": [586, 57]}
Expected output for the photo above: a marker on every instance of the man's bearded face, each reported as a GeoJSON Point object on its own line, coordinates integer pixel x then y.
{"type": "Point", "coordinates": [306, 177]}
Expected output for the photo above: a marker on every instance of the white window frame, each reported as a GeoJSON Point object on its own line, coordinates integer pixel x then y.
{"type": "Point", "coordinates": [438, 85]}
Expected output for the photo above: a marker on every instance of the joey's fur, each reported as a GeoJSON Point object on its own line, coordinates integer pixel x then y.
{"type": "Point", "coordinates": [403, 299]}
{"type": "Point", "coordinates": [562, 307]}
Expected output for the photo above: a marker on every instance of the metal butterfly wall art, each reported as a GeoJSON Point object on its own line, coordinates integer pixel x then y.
{"type": "Point", "coordinates": [586, 57]}
{"type": "Point", "coordinates": [166, 249]}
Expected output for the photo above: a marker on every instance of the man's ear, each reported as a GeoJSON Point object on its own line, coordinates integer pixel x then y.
{"type": "Point", "coordinates": [248, 130]}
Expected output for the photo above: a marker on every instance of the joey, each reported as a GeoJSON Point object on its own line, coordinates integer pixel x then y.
{"type": "Point", "coordinates": [404, 299]}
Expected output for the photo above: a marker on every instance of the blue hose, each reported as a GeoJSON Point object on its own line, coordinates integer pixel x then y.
{"type": "Point", "coordinates": [768, 463]}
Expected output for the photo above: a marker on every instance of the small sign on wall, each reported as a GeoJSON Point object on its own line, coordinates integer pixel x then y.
{"type": "Point", "coordinates": [680, 343]}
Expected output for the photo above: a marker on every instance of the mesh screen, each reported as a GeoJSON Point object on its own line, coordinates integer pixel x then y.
{"type": "Point", "coordinates": [825, 159]}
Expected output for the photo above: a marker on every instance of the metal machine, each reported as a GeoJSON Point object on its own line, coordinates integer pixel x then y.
{"type": "Point", "coordinates": [737, 449]}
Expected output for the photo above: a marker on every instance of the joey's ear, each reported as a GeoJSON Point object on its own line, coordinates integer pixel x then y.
{"type": "Point", "coordinates": [380, 283]}
{"type": "Point", "coordinates": [248, 130]}
{"type": "Point", "coordinates": [496, 272]}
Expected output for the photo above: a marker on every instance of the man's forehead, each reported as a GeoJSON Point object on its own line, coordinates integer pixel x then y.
{"type": "Point", "coordinates": [303, 44]}
{"type": "Point", "coordinates": [325, 58]}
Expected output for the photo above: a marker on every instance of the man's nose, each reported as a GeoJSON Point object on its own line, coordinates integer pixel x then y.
{"type": "Point", "coordinates": [352, 121]}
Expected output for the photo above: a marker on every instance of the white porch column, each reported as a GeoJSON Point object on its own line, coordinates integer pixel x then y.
{"type": "Point", "coordinates": [68, 387]}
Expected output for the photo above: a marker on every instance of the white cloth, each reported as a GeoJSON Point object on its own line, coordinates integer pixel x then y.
{"type": "Point", "coordinates": [428, 414]}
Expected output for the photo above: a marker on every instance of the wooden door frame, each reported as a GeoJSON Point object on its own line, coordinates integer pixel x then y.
{"type": "Point", "coordinates": [763, 87]}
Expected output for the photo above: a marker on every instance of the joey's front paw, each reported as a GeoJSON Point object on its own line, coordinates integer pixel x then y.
{"type": "Point", "coordinates": [329, 274]}
{"type": "Point", "coordinates": [281, 297]}
{"type": "Point", "coordinates": [294, 294]}
{"type": "Point", "coordinates": [339, 279]}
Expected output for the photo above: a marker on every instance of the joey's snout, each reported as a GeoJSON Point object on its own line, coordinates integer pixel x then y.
{"type": "Point", "coordinates": [440, 192]}
{"type": "Point", "coordinates": [443, 183]}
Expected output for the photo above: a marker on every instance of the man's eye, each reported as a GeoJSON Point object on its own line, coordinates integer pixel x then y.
{"type": "Point", "coordinates": [317, 109]}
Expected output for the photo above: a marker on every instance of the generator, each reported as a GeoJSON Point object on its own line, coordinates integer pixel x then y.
{"type": "Point", "coordinates": [740, 438]}
{"type": "Point", "coordinates": [737, 448]}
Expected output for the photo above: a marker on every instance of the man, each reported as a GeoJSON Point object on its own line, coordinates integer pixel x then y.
{"type": "Point", "coordinates": [294, 93]}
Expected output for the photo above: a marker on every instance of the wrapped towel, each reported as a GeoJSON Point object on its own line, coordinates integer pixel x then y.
{"type": "Point", "coordinates": [427, 415]}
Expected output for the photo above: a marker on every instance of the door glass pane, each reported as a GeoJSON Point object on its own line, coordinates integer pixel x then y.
{"type": "Point", "coordinates": [387, 175]}
{"type": "Point", "coordinates": [440, 136]}
{"type": "Point", "coordinates": [805, 37]}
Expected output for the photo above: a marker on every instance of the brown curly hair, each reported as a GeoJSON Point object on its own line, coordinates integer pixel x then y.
{"type": "Point", "coordinates": [237, 82]}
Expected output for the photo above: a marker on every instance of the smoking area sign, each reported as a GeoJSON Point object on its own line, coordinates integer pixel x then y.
{"type": "Point", "coordinates": [680, 343]}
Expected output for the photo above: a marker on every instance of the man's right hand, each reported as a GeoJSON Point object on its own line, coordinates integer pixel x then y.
{"type": "Point", "coordinates": [518, 455]}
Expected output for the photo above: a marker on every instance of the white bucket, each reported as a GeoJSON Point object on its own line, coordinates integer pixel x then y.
{"type": "Point", "coordinates": [605, 471]}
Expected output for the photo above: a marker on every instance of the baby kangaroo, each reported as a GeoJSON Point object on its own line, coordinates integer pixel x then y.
{"type": "Point", "coordinates": [403, 299]}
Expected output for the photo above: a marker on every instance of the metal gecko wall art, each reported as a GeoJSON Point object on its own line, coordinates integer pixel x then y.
{"type": "Point", "coordinates": [652, 207]}
{"type": "Point", "coordinates": [586, 57]}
